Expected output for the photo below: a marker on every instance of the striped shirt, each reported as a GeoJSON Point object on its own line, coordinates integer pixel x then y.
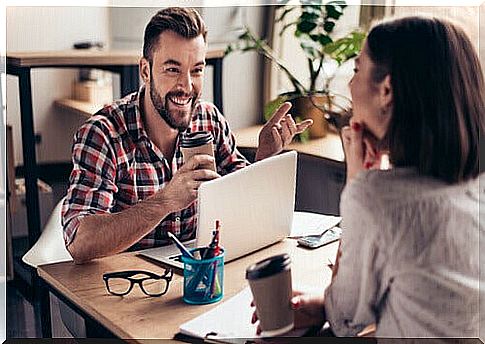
{"type": "Point", "coordinates": [115, 165]}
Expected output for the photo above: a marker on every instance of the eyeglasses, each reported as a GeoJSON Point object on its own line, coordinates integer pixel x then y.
{"type": "Point", "coordinates": [121, 283]}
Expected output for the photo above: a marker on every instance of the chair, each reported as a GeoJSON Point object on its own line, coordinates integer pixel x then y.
{"type": "Point", "coordinates": [50, 248]}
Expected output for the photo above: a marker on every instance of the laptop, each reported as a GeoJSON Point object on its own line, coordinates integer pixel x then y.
{"type": "Point", "coordinates": [254, 205]}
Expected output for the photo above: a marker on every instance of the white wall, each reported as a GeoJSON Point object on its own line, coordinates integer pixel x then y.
{"type": "Point", "coordinates": [50, 28]}
{"type": "Point", "coordinates": [465, 16]}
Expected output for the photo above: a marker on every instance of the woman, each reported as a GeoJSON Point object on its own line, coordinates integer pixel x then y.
{"type": "Point", "coordinates": [409, 258]}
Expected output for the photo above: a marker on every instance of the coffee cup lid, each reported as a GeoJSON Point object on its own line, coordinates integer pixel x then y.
{"type": "Point", "coordinates": [195, 139]}
{"type": "Point", "coordinates": [268, 266]}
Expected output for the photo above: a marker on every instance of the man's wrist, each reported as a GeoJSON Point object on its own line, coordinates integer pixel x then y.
{"type": "Point", "coordinates": [261, 154]}
{"type": "Point", "coordinates": [158, 205]}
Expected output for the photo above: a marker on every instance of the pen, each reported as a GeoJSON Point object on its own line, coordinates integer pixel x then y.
{"type": "Point", "coordinates": [205, 270]}
{"type": "Point", "coordinates": [215, 286]}
{"type": "Point", "coordinates": [213, 248]}
{"type": "Point", "coordinates": [180, 246]}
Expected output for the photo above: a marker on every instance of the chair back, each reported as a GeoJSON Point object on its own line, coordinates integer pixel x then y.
{"type": "Point", "coordinates": [50, 247]}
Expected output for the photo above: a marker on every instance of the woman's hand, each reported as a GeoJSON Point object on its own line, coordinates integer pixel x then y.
{"type": "Point", "coordinates": [360, 149]}
{"type": "Point", "coordinates": [309, 310]}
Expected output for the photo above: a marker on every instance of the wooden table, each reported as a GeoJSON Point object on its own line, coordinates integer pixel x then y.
{"type": "Point", "coordinates": [125, 63]}
{"type": "Point", "coordinates": [139, 317]}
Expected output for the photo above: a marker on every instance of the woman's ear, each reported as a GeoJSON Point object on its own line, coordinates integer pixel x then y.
{"type": "Point", "coordinates": [145, 70]}
{"type": "Point", "coordinates": [386, 94]}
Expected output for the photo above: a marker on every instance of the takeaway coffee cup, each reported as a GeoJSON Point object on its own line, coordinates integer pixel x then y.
{"type": "Point", "coordinates": [270, 283]}
{"type": "Point", "coordinates": [199, 142]}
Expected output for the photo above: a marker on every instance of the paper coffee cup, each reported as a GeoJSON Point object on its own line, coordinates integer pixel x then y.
{"type": "Point", "coordinates": [270, 283]}
{"type": "Point", "coordinates": [199, 142]}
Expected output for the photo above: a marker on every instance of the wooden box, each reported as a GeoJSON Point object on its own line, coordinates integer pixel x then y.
{"type": "Point", "coordinates": [92, 92]}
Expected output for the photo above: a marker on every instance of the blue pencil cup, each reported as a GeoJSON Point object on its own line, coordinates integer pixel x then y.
{"type": "Point", "coordinates": [203, 278]}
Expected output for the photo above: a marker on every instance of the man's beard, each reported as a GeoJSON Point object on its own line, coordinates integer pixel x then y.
{"type": "Point", "coordinates": [170, 117]}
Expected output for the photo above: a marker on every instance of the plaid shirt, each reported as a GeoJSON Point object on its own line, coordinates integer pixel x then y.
{"type": "Point", "coordinates": [115, 165]}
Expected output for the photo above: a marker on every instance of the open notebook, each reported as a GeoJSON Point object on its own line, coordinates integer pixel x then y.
{"type": "Point", "coordinates": [229, 322]}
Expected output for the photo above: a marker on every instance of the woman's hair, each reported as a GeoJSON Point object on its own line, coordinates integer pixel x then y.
{"type": "Point", "coordinates": [438, 95]}
{"type": "Point", "coordinates": [184, 21]}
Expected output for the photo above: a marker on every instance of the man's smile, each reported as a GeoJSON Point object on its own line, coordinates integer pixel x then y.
{"type": "Point", "coordinates": [180, 101]}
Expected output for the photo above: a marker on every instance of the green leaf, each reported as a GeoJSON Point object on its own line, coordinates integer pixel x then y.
{"type": "Point", "coordinates": [328, 26]}
{"type": "Point", "coordinates": [345, 48]}
{"type": "Point", "coordinates": [325, 39]}
{"type": "Point", "coordinates": [312, 9]}
{"type": "Point", "coordinates": [314, 37]}
{"type": "Point", "coordinates": [229, 49]}
{"type": "Point", "coordinates": [244, 35]}
{"type": "Point", "coordinates": [274, 104]}
{"type": "Point", "coordinates": [340, 3]}
{"type": "Point", "coordinates": [310, 50]}
{"type": "Point", "coordinates": [306, 26]}
{"type": "Point", "coordinates": [249, 48]}
{"type": "Point", "coordinates": [304, 136]}
{"type": "Point", "coordinates": [309, 17]}
{"type": "Point", "coordinates": [334, 11]}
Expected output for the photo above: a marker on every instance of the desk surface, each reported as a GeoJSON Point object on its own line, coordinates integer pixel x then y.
{"type": "Point", "coordinates": [328, 147]}
{"type": "Point", "coordinates": [83, 56]}
{"type": "Point", "coordinates": [140, 317]}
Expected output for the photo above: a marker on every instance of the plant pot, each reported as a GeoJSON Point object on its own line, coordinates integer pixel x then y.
{"type": "Point", "coordinates": [310, 107]}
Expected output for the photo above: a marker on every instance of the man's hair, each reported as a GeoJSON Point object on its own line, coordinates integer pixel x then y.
{"type": "Point", "coordinates": [438, 95]}
{"type": "Point", "coordinates": [185, 22]}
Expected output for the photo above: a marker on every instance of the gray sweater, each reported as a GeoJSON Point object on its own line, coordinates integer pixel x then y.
{"type": "Point", "coordinates": [410, 257]}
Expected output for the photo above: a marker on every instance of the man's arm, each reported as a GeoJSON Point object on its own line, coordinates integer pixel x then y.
{"type": "Point", "coordinates": [105, 234]}
{"type": "Point", "coordinates": [90, 229]}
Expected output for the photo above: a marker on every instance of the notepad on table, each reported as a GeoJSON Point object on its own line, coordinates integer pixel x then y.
{"type": "Point", "coordinates": [228, 322]}
{"type": "Point", "coordinates": [305, 223]}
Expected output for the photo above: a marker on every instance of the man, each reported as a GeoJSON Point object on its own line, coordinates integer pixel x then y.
{"type": "Point", "coordinates": [129, 183]}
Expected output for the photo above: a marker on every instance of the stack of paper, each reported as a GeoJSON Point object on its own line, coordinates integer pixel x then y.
{"type": "Point", "coordinates": [229, 322]}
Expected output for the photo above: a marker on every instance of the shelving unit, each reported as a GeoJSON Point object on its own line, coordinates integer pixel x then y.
{"type": "Point", "coordinates": [82, 108]}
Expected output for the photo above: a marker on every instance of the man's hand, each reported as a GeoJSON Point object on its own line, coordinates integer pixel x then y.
{"type": "Point", "coordinates": [181, 191]}
{"type": "Point", "coordinates": [278, 132]}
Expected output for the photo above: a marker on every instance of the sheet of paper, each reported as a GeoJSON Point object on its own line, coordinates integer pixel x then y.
{"type": "Point", "coordinates": [305, 223]}
{"type": "Point", "coordinates": [231, 321]}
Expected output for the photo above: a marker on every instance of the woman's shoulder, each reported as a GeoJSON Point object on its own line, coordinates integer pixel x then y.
{"type": "Point", "coordinates": [372, 185]}
{"type": "Point", "coordinates": [401, 186]}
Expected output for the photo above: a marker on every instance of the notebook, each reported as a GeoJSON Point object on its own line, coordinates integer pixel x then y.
{"type": "Point", "coordinates": [228, 322]}
{"type": "Point", "coordinates": [254, 205]}
{"type": "Point", "coordinates": [306, 223]}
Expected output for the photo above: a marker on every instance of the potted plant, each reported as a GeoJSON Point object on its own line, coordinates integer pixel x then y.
{"type": "Point", "coordinates": [313, 28]}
